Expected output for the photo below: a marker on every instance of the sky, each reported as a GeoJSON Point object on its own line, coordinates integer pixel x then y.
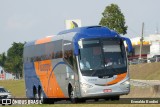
{"type": "Point", "coordinates": [27, 20]}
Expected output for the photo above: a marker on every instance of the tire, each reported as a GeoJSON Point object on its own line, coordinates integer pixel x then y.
{"type": "Point", "coordinates": [41, 97]}
{"type": "Point", "coordinates": [115, 98]}
{"type": "Point", "coordinates": [35, 94]}
{"type": "Point", "coordinates": [81, 100]}
{"type": "Point", "coordinates": [72, 96]}
{"type": "Point", "coordinates": [96, 99]}
{"type": "Point", "coordinates": [107, 99]}
{"type": "Point", "coordinates": [44, 100]}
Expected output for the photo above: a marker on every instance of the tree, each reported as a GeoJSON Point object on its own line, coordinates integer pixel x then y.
{"type": "Point", "coordinates": [114, 19]}
{"type": "Point", "coordinates": [2, 59]}
{"type": "Point", "coordinates": [14, 59]}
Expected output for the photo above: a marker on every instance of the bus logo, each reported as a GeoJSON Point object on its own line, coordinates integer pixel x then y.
{"type": "Point", "coordinates": [44, 66]}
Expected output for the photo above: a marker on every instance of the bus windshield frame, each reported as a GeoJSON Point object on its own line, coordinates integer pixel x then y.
{"type": "Point", "coordinates": [102, 57]}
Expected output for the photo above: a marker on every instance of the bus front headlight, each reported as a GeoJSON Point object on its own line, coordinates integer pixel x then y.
{"type": "Point", "coordinates": [85, 86]}
{"type": "Point", "coordinates": [126, 83]}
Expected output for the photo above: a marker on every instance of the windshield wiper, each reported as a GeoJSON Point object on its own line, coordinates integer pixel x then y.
{"type": "Point", "coordinates": [111, 66]}
{"type": "Point", "coordinates": [93, 72]}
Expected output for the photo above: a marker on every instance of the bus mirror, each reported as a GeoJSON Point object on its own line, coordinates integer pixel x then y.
{"type": "Point", "coordinates": [79, 54]}
{"type": "Point", "coordinates": [129, 44]}
{"type": "Point", "coordinates": [80, 44]}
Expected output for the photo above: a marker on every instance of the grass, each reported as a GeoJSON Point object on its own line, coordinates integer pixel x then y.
{"type": "Point", "coordinates": [16, 87]}
{"type": "Point", "coordinates": [142, 92]}
{"type": "Point", "coordinates": [146, 71]}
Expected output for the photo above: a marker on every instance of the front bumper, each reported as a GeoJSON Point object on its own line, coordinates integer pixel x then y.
{"type": "Point", "coordinates": [105, 91]}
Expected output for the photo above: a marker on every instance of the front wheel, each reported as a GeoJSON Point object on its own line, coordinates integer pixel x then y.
{"type": "Point", "coordinates": [72, 96]}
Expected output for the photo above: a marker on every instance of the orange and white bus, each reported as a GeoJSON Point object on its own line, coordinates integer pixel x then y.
{"type": "Point", "coordinates": [52, 65]}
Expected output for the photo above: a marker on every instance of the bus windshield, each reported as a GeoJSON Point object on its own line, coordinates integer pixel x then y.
{"type": "Point", "coordinates": [102, 57]}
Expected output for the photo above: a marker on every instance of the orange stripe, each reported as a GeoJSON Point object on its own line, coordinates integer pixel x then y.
{"type": "Point", "coordinates": [118, 79]}
{"type": "Point", "coordinates": [43, 40]}
{"type": "Point", "coordinates": [43, 71]}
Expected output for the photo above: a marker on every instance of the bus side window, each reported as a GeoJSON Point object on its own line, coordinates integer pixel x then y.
{"type": "Point", "coordinates": [68, 52]}
{"type": "Point", "coordinates": [68, 55]}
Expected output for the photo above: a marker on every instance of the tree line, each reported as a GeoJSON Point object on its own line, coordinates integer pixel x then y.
{"type": "Point", "coordinates": [112, 17]}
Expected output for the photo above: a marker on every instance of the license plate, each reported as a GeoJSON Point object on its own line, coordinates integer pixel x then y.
{"type": "Point", "coordinates": [107, 90]}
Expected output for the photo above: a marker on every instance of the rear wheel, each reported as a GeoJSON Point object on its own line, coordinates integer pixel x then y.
{"type": "Point", "coordinates": [115, 98]}
{"type": "Point", "coordinates": [35, 94]}
{"type": "Point", "coordinates": [41, 97]}
{"type": "Point", "coordinates": [107, 99]}
{"type": "Point", "coordinates": [44, 100]}
{"type": "Point", "coordinates": [81, 100]}
{"type": "Point", "coordinates": [96, 99]}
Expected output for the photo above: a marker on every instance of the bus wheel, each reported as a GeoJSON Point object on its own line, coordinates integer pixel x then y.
{"type": "Point", "coordinates": [107, 99]}
{"type": "Point", "coordinates": [72, 96]}
{"type": "Point", "coordinates": [96, 99]}
{"type": "Point", "coordinates": [115, 98]}
{"type": "Point", "coordinates": [35, 94]}
{"type": "Point", "coordinates": [41, 97]}
{"type": "Point", "coordinates": [82, 100]}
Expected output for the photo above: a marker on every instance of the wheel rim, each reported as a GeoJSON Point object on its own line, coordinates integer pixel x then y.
{"type": "Point", "coordinates": [72, 94]}
{"type": "Point", "coordinates": [41, 97]}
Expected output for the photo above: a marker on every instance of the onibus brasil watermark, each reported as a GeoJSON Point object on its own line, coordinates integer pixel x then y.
{"type": "Point", "coordinates": [20, 101]}
{"type": "Point", "coordinates": [26, 101]}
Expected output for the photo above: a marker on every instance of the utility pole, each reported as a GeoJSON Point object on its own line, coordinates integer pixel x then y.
{"type": "Point", "coordinates": [157, 32]}
{"type": "Point", "coordinates": [141, 42]}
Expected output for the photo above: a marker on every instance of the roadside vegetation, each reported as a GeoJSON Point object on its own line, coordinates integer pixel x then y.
{"type": "Point", "coordinates": [16, 87]}
{"type": "Point", "coordinates": [146, 71]}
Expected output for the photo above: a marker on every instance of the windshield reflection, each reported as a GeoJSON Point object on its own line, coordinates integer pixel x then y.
{"type": "Point", "coordinates": [96, 56]}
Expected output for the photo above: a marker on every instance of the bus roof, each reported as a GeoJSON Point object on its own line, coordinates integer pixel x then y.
{"type": "Point", "coordinates": [89, 32]}
{"type": "Point", "coordinates": [85, 32]}
{"type": "Point", "coordinates": [92, 30]}
{"type": "Point", "coordinates": [82, 33]}
{"type": "Point", "coordinates": [40, 41]}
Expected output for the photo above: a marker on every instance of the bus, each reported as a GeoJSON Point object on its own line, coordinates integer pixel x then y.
{"type": "Point", "coordinates": [53, 65]}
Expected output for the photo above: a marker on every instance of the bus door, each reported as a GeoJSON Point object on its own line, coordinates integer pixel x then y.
{"type": "Point", "coordinates": [68, 59]}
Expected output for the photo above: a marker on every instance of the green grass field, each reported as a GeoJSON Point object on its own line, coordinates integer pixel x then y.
{"type": "Point", "coordinates": [146, 71]}
{"type": "Point", "coordinates": [16, 87]}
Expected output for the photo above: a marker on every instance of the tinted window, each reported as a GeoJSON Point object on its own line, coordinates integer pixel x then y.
{"type": "Point", "coordinates": [102, 57]}
{"type": "Point", "coordinates": [44, 51]}
{"type": "Point", "coordinates": [68, 52]}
